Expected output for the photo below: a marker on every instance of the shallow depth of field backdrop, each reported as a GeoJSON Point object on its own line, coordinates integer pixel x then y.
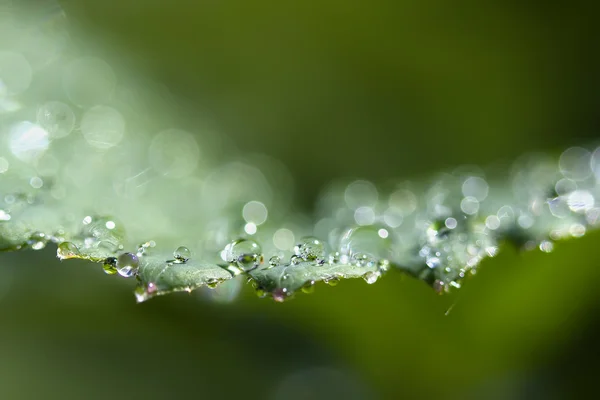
{"type": "Point", "coordinates": [361, 89]}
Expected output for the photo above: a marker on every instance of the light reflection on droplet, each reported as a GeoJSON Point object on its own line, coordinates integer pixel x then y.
{"type": "Point", "coordinates": [88, 81]}
{"type": "Point", "coordinates": [103, 127]}
{"type": "Point", "coordinates": [28, 141]}
{"type": "Point", "coordinates": [575, 163]}
{"type": "Point", "coordinates": [492, 222]}
{"type": "Point", "coordinates": [15, 72]}
{"type": "Point", "coordinates": [174, 153]}
{"type": "Point", "coordinates": [284, 239]}
{"type": "Point", "coordinates": [383, 233]}
{"type": "Point", "coordinates": [255, 212]}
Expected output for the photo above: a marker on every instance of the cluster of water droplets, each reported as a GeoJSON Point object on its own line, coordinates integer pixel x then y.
{"type": "Point", "coordinates": [96, 154]}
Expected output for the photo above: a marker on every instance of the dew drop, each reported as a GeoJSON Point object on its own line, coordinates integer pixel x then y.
{"type": "Point", "coordinates": [308, 287]}
{"type": "Point", "coordinates": [245, 253]}
{"type": "Point", "coordinates": [182, 254]}
{"type": "Point", "coordinates": [333, 281]}
{"type": "Point", "coordinates": [127, 265]}
{"type": "Point", "coordinates": [37, 240]}
{"type": "Point", "coordinates": [295, 260]}
{"type": "Point", "coordinates": [546, 246]}
{"type": "Point", "coordinates": [67, 250]}
{"type": "Point", "coordinates": [310, 249]}
{"type": "Point", "coordinates": [110, 266]}
{"type": "Point", "coordinates": [280, 294]}
{"type": "Point", "coordinates": [56, 118]}
{"type": "Point", "coordinates": [371, 277]}
{"type": "Point", "coordinates": [274, 261]}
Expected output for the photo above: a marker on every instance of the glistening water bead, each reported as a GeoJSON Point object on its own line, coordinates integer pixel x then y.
{"type": "Point", "coordinates": [310, 249]}
{"type": "Point", "coordinates": [67, 250]}
{"type": "Point", "coordinates": [182, 254]}
{"type": "Point", "coordinates": [127, 265]}
{"type": "Point", "coordinates": [244, 253]}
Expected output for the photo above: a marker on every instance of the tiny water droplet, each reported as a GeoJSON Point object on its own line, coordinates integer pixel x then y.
{"type": "Point", "coordinates": [67, 250]}
{"type": "Point", "coordinates": [182, 254]}
{"type": "Point", "coordinates": [363, 260]}
{"type": "Point", "coordinates": [151, 288]}
{"type": "Point", "coordinates": [295, 260]}
{"type": "Point", "coordinates": [333, 281]}
{"type": "Point", "coordinates": [310, 249]}
{"type": "Point", "coordinates": [260, 292]}
{"type": "Point", "coordinates": [246, 253]}
{"type": "Point", "coordinates": [280, 294]}
{"type": "Point", "coordinates": [37, 240]}
{"type": "Point", "coordinates": [110, 266]}
{"type": "Point", "coordinates": [439, 286]}
{"type": "Point", "coordinates": [274, 261]}
{"type": "Point", "coordinates": [384, 265]}
{"type": "Point", "coordinates": [127, 265]}
{"type": "Point", "coordinates": [371, 277]}
{"type": "Point", "coordinates": [212, 283]}
{"type": "Point", "coordinates": [308, 287]}
{"type": "Point", "coordinates": [334, 257]}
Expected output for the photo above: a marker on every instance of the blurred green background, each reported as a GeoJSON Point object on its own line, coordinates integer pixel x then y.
{"type": "Point", "coordinates": [372, 89]}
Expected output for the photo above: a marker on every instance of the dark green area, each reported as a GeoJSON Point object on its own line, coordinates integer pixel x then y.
{"type": "Point", "coordinates": [374, 89]}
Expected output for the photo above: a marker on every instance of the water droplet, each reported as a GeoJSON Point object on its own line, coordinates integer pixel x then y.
{"type": "Point", "coordinates": [37, 240]}
{"type": "Point", "coordinates": [212, 283]}
{"type": "Point", "coordinates": [546, 246]}
{"type": "Point", "coordinates": [371, 277]}
{"type": "Point", "coordinates": [332, 281]}
{"type": "Point", "coordinates": [334, 257]}
{"type": "Point", "coordinates": [67, 250]}
{"type": "Point", "coordinates": [260, 292]}
{"type": "Point", "coordinates": [308, 287]}
{"type": "Point", "coordinates": [363, 260]}
{"type": "Point", "coordinates": [384, 265]}
{"type": "Point", "coordinates": [103, 231]}
{"type": "Point", "coordinates": [310, 249]}
{"type": "Point", "coordinates": [110, 266]}
{"type": "Point", "coordinates": [274, 261]}
{"type": "Point", "coordinates": [56, 118]}
{"type": "Point", "coordinates": [295, 260]}
{"type": "Point", "coordinates": [439, 286]}
{"type": "Point", "coordinates": [151, 288]}
{"type": "Point", "coordinates": [182, 254]}
{"type": "Point", "coordinates": [280, 294]}
{"type": "Point", "coordinates": [127, 265]}
{"type": "Point", "coordinates": [245, 253]}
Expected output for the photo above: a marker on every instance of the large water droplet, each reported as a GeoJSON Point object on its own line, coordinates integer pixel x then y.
{"type": "Point", "coordinates": [371, 277]}
{"type": "Point", "coordinates": [56, 118]}
{"type": "Point", "coordinates": [274, 261]}
{"type": "Point", "coordinates": [310, 249]}
{"type": "Point", "coordinates": [37, 240]}
{"type": "Point", "coordinates": [67, 250]}
{"type": "Point", "coordinates": [127, 265]}
{"type": "Point", "coordinates": [110, 266]}
{"type": "Point", "coordinates": [182, 254]}
{"type": "Point", "coordinates": [245, 253]}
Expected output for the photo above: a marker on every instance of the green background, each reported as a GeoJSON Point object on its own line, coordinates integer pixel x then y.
{"type": "Point", "coordinates": [370, 89]}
